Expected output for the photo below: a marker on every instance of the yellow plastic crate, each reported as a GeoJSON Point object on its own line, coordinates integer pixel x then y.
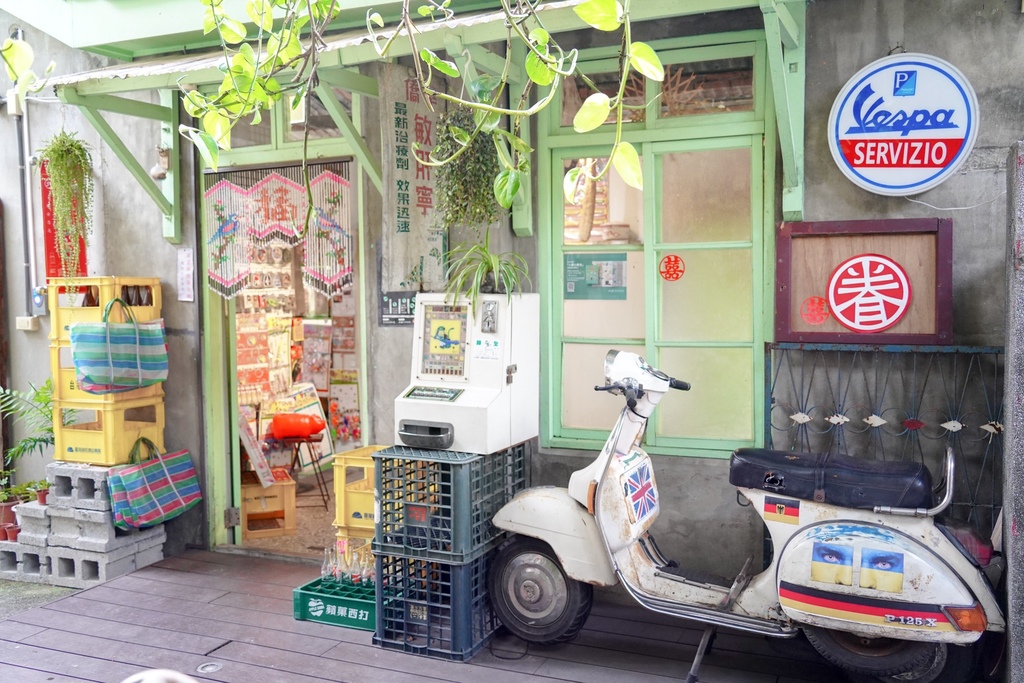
{"type": "Point", "coordinates": [103, 434]}
{"type": "Point", "coordinates": [104, 289]}
{"type": "Point", "coordinates": [267, 512]}
{"type": "Point", "coordinates": [354, 499]}
{"type": "Point", "coordinates": [65, 385]}
{"type": "Point", "coordinates": [356, 543]}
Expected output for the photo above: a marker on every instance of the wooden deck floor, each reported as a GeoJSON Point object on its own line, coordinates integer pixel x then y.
{"type": "Point", "coordinates": [236, 611]}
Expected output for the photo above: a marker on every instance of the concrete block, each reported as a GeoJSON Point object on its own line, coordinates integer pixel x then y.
{"type": "Point", "coordinates": [33, 520]}
{"type": "Point", "coordinates": [19, 562]}
{"type": "Point", "coordinates": [144, 558]}
{"type": "Point", "coordinates": [94, 531]}
{"type": "Point", "coordinates": [78, 486]}
{"type": "Point", "coordinates": [82, 569]}
{"type": "Point", "coordinates": [35, 540]}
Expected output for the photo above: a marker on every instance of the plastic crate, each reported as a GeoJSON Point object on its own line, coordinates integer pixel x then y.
{"type": "Point", "coordinates": [63, 310]}
{"type": "Point", "coordinates": [353, 490]}
{"type": "Point", "coordinates": [336, 604]}
{"type": "Point", "coordinates": [103, 434]}
{"type": "Point", "coordinates": [433, 608]}
{"type": "Point", "coordinates": [439, 504]}
{"type": "Point", "coordinates": [65, 384]}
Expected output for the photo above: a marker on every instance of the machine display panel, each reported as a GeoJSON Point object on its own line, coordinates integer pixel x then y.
{"type": "Point", "coordinates": [444, 348]}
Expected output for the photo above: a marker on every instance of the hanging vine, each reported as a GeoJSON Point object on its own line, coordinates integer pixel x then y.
{"type": "Point", "coordinates": [464, 185]}
{"type": "Point", "coordinates": [69, 166]}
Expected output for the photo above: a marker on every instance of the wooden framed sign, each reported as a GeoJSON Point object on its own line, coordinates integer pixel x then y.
{"type": "Point", "coordinates": [865, 282]}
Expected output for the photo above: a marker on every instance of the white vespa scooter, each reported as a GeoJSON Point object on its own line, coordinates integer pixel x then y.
{"type": "Point", "coordinates": [880, 587]}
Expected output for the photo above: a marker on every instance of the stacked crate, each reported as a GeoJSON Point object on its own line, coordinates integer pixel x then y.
{"type": "Point", "coordinates": [105, 426]}
{"type": "Point", "coordinates": [353, 497]}
{"type": "Point", "coordinates": [433, 541]}
{"type": "Point", "coordinates": [72, 541]}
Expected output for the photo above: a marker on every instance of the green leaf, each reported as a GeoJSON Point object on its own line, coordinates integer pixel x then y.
{"type": "Point", "coordinates": [424, 11]}
{"type": "Point", "coordinates": [260, 13]}
{"type": "Point", "coordinates": [604, 15]}
{"type": "Point", "coordinates": [539, 36]}
{"type": "Point", "coordinates": [483, 88]}
{"type": "Point", "coordinates": [461, 136]}
{"type": "Point", "coordinates": [445, 67]}
{"type": "Point", "coordinates": [593, 112]}
{"type": "Point", "coordinates": [195, 103]}
{"type": "Point", "coordinates": [643, 58]}
{"type": "Point", "coordinates": [487, 120]}
{"type": "Point", "coordinates": [17, 57]}
{"type": "Point", "coordinates": [506, 186]}
{"type": "Point", "coordinates": [570, 183]}
{"type": "Point", "coordinates": [233, 32]}
{"type": "Point", "coordinates": [26, 79]}
{"type": "Point", "coordinates": [539, 72]}
{"type": "Point", "coordinates": [627, 162]}
{"type": "Point", "coordinates": [209, 21]}
{"type": "Point", "coordinates": [257, 117]}
{"type": "Point", "coordinates": [205, 144]}
{"type": "Point", "coordinates": [518, 144]}
{"type": "Point", "coordinates": [218, 126]}
{"type": "Point", "coordinates": [375, 18]}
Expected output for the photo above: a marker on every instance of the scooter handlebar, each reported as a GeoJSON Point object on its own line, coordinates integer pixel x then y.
{"type": "Point", "coordinates": [679, 384]}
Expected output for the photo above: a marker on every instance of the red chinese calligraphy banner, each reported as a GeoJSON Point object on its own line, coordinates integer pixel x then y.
{"type": "Point", "coordinates": [412, 257]}
{"type": "Point", "coordinates": [865, 282]}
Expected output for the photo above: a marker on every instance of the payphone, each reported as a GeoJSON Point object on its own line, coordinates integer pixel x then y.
{"type": "Point", "coordinates": [475, 374]}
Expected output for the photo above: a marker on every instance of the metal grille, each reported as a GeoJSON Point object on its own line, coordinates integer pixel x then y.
{"type": "Point", "coordinates": [895, 403]}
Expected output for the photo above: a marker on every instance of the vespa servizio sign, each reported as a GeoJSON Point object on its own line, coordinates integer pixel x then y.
{"type": "Point", "coordinates": [903, 124]}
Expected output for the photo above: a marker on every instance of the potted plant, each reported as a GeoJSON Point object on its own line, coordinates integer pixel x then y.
{"type": "Point", "coordinates": [40, 490]}
{"type": "Point", "coordinates": [464, 193]}
{"type": "Point", "coordinates": [474, 269]}
{"type": "Point", "coordinates": [33, 411]}
{"type": "Point", "coordinates": [69, 167]}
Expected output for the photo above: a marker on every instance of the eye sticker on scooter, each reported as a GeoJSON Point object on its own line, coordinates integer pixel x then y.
{"type": "Point", "coordinates": [832, 563]}
{"type": "Point", "coordinates": [881, 570]}
{"type": "Point", "coordinates": [640, 492]}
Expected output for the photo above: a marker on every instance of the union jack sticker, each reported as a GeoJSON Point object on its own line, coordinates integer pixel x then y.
{"type": "Point", "coordinates": [641, 492]}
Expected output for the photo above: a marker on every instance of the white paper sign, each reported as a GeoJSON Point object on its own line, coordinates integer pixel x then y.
{"type": "Point", "coordinates": [186, 274]}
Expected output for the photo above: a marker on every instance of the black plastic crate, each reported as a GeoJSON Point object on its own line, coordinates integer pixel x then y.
{"type": "Point", "coordinates": [438, 505]}
{"type": "Point", "coordinates": [432, 608]}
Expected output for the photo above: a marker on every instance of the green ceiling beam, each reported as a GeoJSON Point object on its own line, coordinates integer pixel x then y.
{"type": "Point", "coordinates": [352, 135]}
{"type": "Point", "coordinates": [353, 81]}
{"type": "Point", "coordinates": [784, 22]}
{"type": "Point", "coordinates": [167, 196]}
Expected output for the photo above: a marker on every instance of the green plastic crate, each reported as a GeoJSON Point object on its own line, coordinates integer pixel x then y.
{"type": "Point", "coordinates": [336, 604]}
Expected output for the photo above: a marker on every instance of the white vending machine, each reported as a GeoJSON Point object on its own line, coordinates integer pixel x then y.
{"type": "Point", "coordinates": [475, 374]}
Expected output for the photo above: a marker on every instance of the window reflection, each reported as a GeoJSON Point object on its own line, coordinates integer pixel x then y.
{"type": "Point", "coordinates": [575, 91]}
{"type": "Point", "coordinates": [714, 86]}
{"type": "Point", "coordinates": [603, 211]}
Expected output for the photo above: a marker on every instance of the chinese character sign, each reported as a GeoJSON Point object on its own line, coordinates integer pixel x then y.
{"type": "Point", "coordinates": [413, 241]}
{"type": "Point", "coordinates": [869, 293]}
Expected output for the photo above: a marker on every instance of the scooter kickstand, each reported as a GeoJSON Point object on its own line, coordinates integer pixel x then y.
{"type": "Point", "coordinates": [705, 643]}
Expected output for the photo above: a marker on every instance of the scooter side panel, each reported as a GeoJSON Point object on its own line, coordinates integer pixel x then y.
{"type": "Point", "coordinates": [550, 514]}
{"type": "Point", "coordinates": [866, 578]}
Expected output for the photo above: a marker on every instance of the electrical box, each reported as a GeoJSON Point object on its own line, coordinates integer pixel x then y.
{"type": "Point", "coordinates": [475, 374]}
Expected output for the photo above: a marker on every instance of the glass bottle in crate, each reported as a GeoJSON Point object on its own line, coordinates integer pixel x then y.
{"type": "Point", "coordinates": [327, 568]}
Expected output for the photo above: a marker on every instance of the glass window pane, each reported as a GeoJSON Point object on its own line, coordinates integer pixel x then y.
{"type": "Point", "coordinates": [575, 91]}
{"type": "Point", "coordinates": [604, 211]}
{"type": "Point", "coordinates": [711, 87]}
{"type": "Point", "coordinates": [705, 196]}
{"type": "Point", "coordinates": [582, 370]}
{"type": "Point", "coordinates": [244, 134]}
{"type": "Point", "coordinates": [713, 298]}
{"type": "Point", "coordinates": [720, 404]}
{"type": "Point", "coordinates": [321, 125]}
{"type": "Point", "coordinates": [607, 318]}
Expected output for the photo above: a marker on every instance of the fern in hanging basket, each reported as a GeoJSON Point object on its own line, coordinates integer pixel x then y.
{"type": "Point", "coordinates": [69, 166]}
{"type": "Point", "coordinates": [465, 186]}
{"type": "Point", "coordinates": [474, 269]}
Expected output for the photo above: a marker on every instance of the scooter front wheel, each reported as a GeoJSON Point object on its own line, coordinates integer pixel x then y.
{"type": "Point", "coordinates": [532, 595]}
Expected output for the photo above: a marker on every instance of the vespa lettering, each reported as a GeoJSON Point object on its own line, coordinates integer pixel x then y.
{"type": "Point", "coordinates": [911, 621]}
{"type": "Point", "coordinates": [876, 120]}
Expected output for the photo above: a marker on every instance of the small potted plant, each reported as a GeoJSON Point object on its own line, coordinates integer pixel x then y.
{"type": "Point", "coordinates": [41, 490]}
{"type": "Point", "coordinates": [475, 269]}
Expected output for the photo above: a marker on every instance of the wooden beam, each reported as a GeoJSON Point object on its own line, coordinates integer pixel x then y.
{"type": "Point", "coordinates": [170, 140]}
{"type": "Point", "coordinates": [351, 133]}
{"type": "Point", "coordinates": [788, 29]}
{"type": "Point", "coordinates": [353, 81]}
{"type": "Point", "coordinates": [118, 105]}
{"type": "Point", "coordinates": [495, 64]}
{"type": "Point", "coordinates": [522, 205]}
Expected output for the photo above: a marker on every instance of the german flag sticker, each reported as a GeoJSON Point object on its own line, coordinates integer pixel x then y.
{"type": "Point", "coordinates": [781, 510]}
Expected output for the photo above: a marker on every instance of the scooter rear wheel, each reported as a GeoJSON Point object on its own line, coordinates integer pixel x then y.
{"type": "Point", "coordinates": [873, 656]}
{"type": "Point", "coordinates": [532, 595]}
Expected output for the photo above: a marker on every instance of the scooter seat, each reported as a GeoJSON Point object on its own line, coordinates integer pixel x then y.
{"type": "Point", "coordinates": [833, 479]}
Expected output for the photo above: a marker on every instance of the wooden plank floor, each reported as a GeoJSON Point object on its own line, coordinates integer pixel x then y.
{"type": "Point", "coordinates": [236, 611]}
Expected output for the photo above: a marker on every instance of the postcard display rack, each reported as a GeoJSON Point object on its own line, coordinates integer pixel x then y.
{"type": "Point", "coordinates": [100, 429]}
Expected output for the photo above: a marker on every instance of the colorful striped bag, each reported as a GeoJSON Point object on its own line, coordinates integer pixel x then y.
{"type": "Point", "coordinates": [115, 357]}
{"type": "Point", "coordinates": [150, 492]}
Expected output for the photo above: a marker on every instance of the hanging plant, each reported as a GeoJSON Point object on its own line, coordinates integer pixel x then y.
{"type": "Point", "coordinates": [465, 186]}
{"type": "Point", "coordinates": [69, 166]}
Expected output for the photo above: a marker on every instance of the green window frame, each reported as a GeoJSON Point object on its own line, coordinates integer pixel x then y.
{"type": "Point", "coordinates": [655, 136]}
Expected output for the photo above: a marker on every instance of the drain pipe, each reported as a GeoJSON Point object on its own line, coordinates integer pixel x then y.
{"type": "Point", "coordinates": [28, 248]}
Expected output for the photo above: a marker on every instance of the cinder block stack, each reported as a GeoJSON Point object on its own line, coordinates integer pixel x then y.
{"type": "Point", "coordinates": [72, 541]}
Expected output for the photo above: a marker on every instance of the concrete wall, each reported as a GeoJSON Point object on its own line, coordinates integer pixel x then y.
{"type": "Point", "coordinates": [127, 241]}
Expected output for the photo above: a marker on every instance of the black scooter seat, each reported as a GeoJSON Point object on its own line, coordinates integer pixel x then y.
{"type": "Point", "coordinates": [833, 479]}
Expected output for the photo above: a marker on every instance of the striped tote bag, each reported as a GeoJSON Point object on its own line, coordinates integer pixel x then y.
{"type": "Point", "coordinates": [150, 492]}
{"type": "Point", "coordinates": [112, 357]}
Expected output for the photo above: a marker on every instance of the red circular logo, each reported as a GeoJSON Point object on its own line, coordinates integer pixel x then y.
{"type": "Point", "coordinates": [672, 267]}
{"type": "Point", "coordinates": [814, 310]}
{"type": "Point", "coordinates": [869, 293]}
